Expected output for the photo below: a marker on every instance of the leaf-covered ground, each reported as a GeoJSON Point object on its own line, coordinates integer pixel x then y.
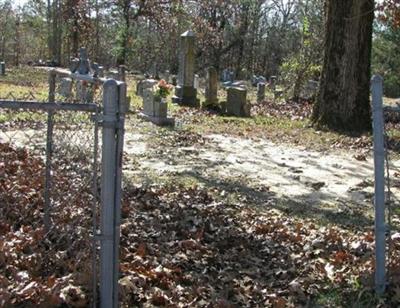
{"type": "Point", "coordinates": [181, 246]}
{"type": "Point", "coordinates": [186, 244]}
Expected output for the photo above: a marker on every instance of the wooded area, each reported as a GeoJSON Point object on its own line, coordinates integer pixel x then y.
{"type": "Point", "coordinates": [269, 38]}
{"type": "Point", "coordinates": [210, 153]}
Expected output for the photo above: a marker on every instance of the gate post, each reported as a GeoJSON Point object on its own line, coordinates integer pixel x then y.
{"type": "Point", "coordinates": [379, 198]}
{"type": "Point", "coordinates": [108, 194]}
{"type": "Point", "coordinates": [49, 150]}
{"type": "Point", "coordinates": [122, 108]}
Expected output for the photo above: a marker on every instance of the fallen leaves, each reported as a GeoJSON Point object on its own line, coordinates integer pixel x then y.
{"type": "Point", "coordinates": [179, 247]}
{"type": "Point", "coordinates": [38, 268]}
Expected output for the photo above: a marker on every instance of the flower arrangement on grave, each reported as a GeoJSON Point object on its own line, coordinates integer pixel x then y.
{"type": "Point", "coordinates": [162, 89]}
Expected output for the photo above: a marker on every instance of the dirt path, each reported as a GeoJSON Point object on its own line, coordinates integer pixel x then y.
{"type": "Point", "coordinates": [253, 171]}
{"type": "Point", "coordinates": [264, 172]}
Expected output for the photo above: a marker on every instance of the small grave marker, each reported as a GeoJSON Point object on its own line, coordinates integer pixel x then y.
{"type": "Point", "coordinates": [237, 102]}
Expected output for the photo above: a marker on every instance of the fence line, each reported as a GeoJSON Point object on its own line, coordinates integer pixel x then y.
{"type": "Point", "coordinates": [110, 117]}
{"type": "Point", "coordinates": [55, 106]}
{"type": "Point", "coordinates": [379, 171]}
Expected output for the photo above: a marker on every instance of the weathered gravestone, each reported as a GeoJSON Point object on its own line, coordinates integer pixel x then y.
{"type": "Point", "coordinates": [84, 63]}
{"type": "Point", "coordinates": [224, 75]}
{"type": "Point", "coordinates": [65, 87]}
{"type": "Point", "coordinates": [100, 72]}
{"type": "Point", "coordinates": [155, 109]}
{"type": "Point", "coordinates": [211, 88]}
{"type": "Point", "coordinates": [255, 80]}
{"type": "Point", "coordinates": [144, 84]}
{"type": "Point", "coordinates": [236, 104]}
{"type": "Point", "coordinates": [185, 92]}
{"type": "Point", "coordinates": [2, 68]}
{"type": "Point", "coordinates": [196, 83]}
{"type": "Point", "coordinates": [122, 73]}
{"type": "Point", "coordinates": [80, 90]}
{"type": "Point", "coordinates": [154, 71]}
{"type": "Point", "coordinates": [243, 74]}
{"type": "Point", "coordinates": [228, 76]}
{"type": "Point", "coordinates": [272, 83]}
{"type": "Point", "coordinates": [260, 92]}
{"type": "Point", "coordinates": [97, 70]}
{"type": "Point", "coordinates": [83, 93]}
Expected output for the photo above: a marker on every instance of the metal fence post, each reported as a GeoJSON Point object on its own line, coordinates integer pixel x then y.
{"type": "Point", "coordinates": [49, 149]}
{"type": "Point", "coordinates": [2, 68]}
{"type": "Point", "coordinates": [379, 198]}
{"type": "Point", "coordinates": [108, 181]}
{"type": "Point", "coordinates": [122, 108]}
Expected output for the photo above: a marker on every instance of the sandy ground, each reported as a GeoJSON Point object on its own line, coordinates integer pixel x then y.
{"type": "Point", "coordinates": [259, 169]}
{"type": "Point", "coordinates": [264, 169]}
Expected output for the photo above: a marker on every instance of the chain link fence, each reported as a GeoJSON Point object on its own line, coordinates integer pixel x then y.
{"type": "Point", "coordinates": [385, 262]}
{"type": "Point", "coordinates": [52, 191]}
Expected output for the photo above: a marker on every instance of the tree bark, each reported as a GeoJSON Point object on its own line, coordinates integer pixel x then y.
{"type": "Point", "coordinates": [50, 40]}
{"type": "Point", "coordinates": [343, 98]}
{"type": "Point", "coordinates": [17, 46]}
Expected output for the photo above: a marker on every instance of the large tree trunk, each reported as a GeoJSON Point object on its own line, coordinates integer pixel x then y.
{"type": "Point", "coordinates": [123, 43]}
{"type": "Point", "coordinates": [17, 46]}
{"type": "Point", "coordinates": [343, 98]}
{"type": "Point", "coordinates": [50, 40]}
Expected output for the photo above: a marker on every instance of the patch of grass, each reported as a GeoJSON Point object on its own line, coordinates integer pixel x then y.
{"type": "Point", "coordinates": [25, 76]}
{"type": "Point", "coordinates": [356, 298]}
{"type": "Point", "coordinates": [24, 83]}
{"type": "Point", "coordinates": [18, 92]}
{"type": "Point", "coordinates": [23, 116]}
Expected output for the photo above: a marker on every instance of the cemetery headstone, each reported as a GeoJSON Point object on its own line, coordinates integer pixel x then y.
{"type": "Point", "coordinates": [231, 76]}
{"type": "Point", "coordinates": [155, 109]}
{"type": "Point", "coordinates": [65, 87]}
{"type": "Point", "coordinates": [196, 81]}
{"type": "Point", "coordinates": [243, 74]}
{"type": "Point", "coordinates": [122, 73]}
{"type": "Point", "coordinates": [154, 71]}
{"type": "Point", "coordinates": [100, 72]}
{"type": "Point", "coordinates": [223, 75]}
{"type": "Point", "coordinates": [74, 65]}
{"type": "Point", "coordinates": [228, 75]}
{"type": "Point", "coordinates": [272, 82]}
{"type": "Point", "coordinates": [81, 91]}
{"type": "Point", "coordinates": [236, 104]}
{"type": "Point", "coordinates": [2, 68]}
{"type": "Point", "coordinates": [144, 84]}
{"type": "Point", "coordinates": [211, 87]}
{"type": "Point", "coordinates": [255, 80]}
{"type": "Point", "coordinates": [84, 63]}
{"type": "Point", "coordinates": [95, 68]}
{"type": "Point", "coordinates": [185, 92]}
{"type": "Point", "coordinates": [260, 92]}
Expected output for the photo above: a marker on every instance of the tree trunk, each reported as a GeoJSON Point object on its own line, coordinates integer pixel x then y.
{"type": "Point", "coordinates": [343, 98]}
{"type": "Point", "coordinates": [97, 48]}
{"type": "Point", "coordinates": [17, 41]}
{"type": "Point", "coordinates": [123, 44]}
{"type": "Point", "coordinates": [50, 41]}
{"type": "Point", "coordinates": [75, 37]}
{"type": "Point", "coordinates": [57, 33]}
